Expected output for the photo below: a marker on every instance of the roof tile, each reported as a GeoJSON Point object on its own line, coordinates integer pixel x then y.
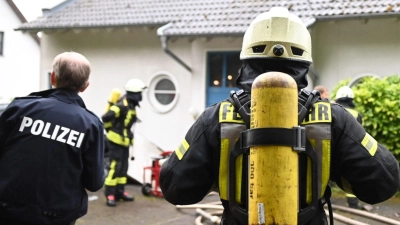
{"type": "Point", "coordinates": [196, 17]}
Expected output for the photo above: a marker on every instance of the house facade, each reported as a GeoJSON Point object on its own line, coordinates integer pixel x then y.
{"type": "Point", "coordinates": [356, 46]}
{"type": "Point", "coordinates": [187, 52]}
{"type": "Point", "coordinates": [19, 55]}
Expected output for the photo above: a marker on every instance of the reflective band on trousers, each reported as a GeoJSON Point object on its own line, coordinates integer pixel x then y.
{"type": "Point", "coordinates": [117, 139]}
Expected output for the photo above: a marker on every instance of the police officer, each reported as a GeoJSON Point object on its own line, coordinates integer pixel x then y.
{"type": "Point", "coordinates": [323, 91]}
{"type": "Point", "coordinates": [51, 150]}
{"type": "Point", "coordinates": [277, 41]}
{"type": "Point", "coordinates": [345, 97]}
{"type": "Point", "coordinates": [118, 122]}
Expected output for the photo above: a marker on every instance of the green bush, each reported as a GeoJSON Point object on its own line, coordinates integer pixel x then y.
{"type": "Point", "coordinates": [378, 100]}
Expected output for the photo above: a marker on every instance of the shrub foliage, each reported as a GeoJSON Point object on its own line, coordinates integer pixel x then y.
{"type": "Point", "coordinates": [378, 100]}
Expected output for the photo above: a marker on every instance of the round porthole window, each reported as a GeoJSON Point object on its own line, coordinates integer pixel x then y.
{"type": "Point", "coordinates": [163, 92]}
{"type": "Point", "coordinates": [357, 79]}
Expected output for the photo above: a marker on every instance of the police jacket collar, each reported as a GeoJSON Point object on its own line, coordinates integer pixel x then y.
{"type": "Point", "coordinates": [61, 94]}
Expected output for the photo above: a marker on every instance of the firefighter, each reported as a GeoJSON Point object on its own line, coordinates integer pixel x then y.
{"type": "Point", "coordinates": [277, 40]}
{"type": "Point", "coordinates": [345, 97]}
{"type": "Point", "coordinates": [118, 122]}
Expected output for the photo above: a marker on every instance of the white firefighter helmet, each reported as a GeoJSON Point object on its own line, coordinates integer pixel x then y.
{"type": "Point", "coordinates": [344, 92]}
{"type": "Point", "coordinates": [279, 34]}
{"type": "Point", "coordinates": [135, 85]}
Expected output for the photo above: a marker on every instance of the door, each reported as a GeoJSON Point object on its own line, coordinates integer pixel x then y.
{"type": "Point", "coordinates": [222, 71]}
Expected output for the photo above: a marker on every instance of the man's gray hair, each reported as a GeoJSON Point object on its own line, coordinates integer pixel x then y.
{"type": "Point", "coordinates": [71, 70]}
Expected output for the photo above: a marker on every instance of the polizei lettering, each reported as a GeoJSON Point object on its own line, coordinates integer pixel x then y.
{"type": "Point", "coordinates": [59, 133]}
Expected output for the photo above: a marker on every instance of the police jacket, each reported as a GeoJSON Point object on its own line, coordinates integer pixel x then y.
{"type": "Point", "coordinates": [358, 164]}
{"type": "Point", "coordinates": [118, 122]}
{"type": "Point", "coordinates": [51, 150]}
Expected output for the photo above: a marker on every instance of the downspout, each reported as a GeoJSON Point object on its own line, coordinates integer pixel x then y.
{"type": "Point", "coordinates": [164, 44]}
{"type": "Point", "coordinates": [314, 73]}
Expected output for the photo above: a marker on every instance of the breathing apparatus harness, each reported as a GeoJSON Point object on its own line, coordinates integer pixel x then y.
{"type": "Point", "coordinates": [294, 137]}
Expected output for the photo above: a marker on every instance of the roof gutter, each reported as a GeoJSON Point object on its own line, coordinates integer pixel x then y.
{"type": "Point", "coordinates": [311, 22]}
{"type": "Point", "coordinates": [164, 44]}
{"type": "Point", "coordinates": [357, 16]}
{"type": "Point", "coordinates": [314, 73]}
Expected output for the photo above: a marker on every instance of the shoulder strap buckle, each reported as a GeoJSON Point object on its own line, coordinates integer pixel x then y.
{"type": "Point", "coordinates": [306, 100]}
{"type": "Point", "coordinates": [241, 101]}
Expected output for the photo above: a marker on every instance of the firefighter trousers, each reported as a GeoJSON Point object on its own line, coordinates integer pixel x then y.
{"type": "Point", "coordinates": [117, 174]}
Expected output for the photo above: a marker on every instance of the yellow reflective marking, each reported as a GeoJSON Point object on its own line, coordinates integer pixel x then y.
{"type": "Point", "coordinates": [319, 113]}
{"type": "Point", "coordinates": [110, 181]}
{"type": "Point", "coordinates": [223, 169]}
{"type": "Point", "coordinates": [226, 114]}
{"type": "Point", "coordinates": [353, 112]}
{"type": "Point", "coordinates": [107, 124]}
{"type": "Point", "coordinates": [117, 139]}
{"type": "Point", "coordinates": [116, 110]}
{"type": "Point", "coordinates": [224, 173]}
{"type": "Point", "coordinates": [326, 163]}
{"type": "Point", "coordinates": [309, 176]}
{"type": "Point", "coordinates": [121, 180]}
{"type": "Point", "coordinates": [370, 144]}
{"type": "Point", "coordinates": [350, 195]}
{"type": "Point", "coordinates": [182, 148]}
{"type": "Point", "coordinates": [129, 115]}
{"type": "Point", "coordinates": [238, 166]}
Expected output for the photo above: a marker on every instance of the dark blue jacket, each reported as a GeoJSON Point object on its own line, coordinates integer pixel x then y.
{"type": "Point", "coordinates": [51, 150]}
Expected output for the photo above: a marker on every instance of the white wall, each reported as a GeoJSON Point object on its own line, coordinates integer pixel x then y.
{"type": "Point", "coordinates": [118, 55]}
{"type": "Point", "coordinates": [348, 48]}
{"type": "Point", "coordinates": [341, 49]}
{"type": "Point", "coordinates": [19, 64]}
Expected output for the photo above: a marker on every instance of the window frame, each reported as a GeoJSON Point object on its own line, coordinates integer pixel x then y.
{"type": "Point", "coordinates": [151, 92]}
{"type": "Point", "coordinates": [1, 43]}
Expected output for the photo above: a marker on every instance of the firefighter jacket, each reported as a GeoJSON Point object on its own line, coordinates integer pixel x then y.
{"type": "Point", "coordinates": [357, 163]}
{"type": "Point", "coordinates": [353, 112]}
{"type": "Point", "coordinates": [118, 122]}
{"type": "Point", "coordinates": [51, 150]}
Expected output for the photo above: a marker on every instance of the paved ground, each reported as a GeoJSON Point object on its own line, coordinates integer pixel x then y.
{"type": "Point", "coordinates": [144, 210]}
{"type": "Point", "coordinates": [157, 211]}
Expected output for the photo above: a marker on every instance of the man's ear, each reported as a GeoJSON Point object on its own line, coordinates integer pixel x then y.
{"type": "Point", "coordinates": [84, 88]}
{"type": "Point", "coordinates": [53, 79]}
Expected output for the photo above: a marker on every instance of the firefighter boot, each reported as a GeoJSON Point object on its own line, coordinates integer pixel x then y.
{"type": "Point", "coordinates": [111, 201]}
{"type": "Point", "coordinates": [353, 202]}
{"type": "Point", "coordinates": [122, 195]}
{"type": "Point", "coordinates": [125, 197]}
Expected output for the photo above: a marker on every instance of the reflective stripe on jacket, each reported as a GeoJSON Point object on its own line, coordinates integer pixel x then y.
{"type": "Point", "coordinates": [119, 120]}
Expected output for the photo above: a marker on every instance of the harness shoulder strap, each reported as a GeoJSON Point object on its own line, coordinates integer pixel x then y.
{"type": "Point", "coordinates": [241, 102]}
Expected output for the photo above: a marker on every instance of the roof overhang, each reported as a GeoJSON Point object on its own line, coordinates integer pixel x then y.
{"type": "Point", "coordinates": [358, 16]}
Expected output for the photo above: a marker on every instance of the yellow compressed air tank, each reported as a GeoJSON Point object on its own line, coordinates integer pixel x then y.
{"type": "Point", "coordinates": [113, 98]}
{"type": "Point", "coordinates": [273, 170]}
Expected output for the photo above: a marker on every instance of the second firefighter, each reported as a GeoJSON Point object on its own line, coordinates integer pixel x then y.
{"type": "Point", "coordinates": [118, 121]}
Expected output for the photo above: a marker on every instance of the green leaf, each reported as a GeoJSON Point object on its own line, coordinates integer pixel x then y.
{"type": "Point", "coordinates": [378, 101]}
